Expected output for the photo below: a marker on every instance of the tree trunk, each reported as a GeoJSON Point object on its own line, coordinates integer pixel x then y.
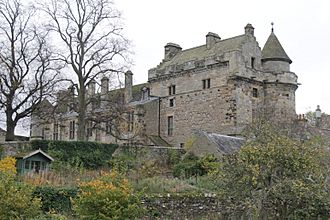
{"type": "Point", "coordinates": [81, 136]}
{"type": "Point", "coordinates": [10, 133]}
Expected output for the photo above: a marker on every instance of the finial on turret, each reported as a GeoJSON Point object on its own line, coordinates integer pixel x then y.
{"type": "Point", "coordinates": [272, 27]}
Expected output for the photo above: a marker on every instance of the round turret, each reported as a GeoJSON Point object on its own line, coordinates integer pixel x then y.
{"type": "Point", "coordinates": [274, 58]}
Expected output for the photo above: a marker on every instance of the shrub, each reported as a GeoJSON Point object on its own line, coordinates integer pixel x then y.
{"type": "Point", "coordinates": [192, 165]}
{"type": "Point", "coordinates": [278, 176]}
{"type": "Point", "coordinates": [8, 165]}
{"type": "Point", "coordinates": [108, 197]}
{"type": "Point", "coordinates": [16, 202]}
{"type": "Point", "coordinates": [54, 199]}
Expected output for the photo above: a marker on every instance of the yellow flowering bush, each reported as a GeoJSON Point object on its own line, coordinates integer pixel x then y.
{"type": "Point", "coordinates": [15, 198]}
{"type": "Point", "coordinates": [107, 197]}
{"type": "Point", "coordinates": [8, 165]}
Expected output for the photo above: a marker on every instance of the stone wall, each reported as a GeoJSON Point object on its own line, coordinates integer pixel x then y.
{"type": "Point", "coordinates": [172, 206]}
{"type": "Point", "coordinates": [210, 109]}
{"type": "Point", "coordinates": [14, 147]}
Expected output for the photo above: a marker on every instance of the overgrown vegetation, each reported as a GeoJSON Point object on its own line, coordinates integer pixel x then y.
{"type": "Point", "coordinates": [55, 199]}
{"type": "Point", "coordinates": [91, 155]}
{"type": "Point", "coordinates": [107, 197]}
{"type": "Point", "coordinates": [16, 197]}
{"type": "Point", "coordinates": [271, 175]}
{"type": "Point", "coordinates": [277, 176]}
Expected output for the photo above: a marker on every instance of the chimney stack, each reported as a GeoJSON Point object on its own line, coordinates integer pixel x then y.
{"type": "Point", "coordinates": [249, 30]}
{"type": "Point", "coordinates": [211, 39]}
{"type": "Point", "coordinates": [171, 50]}
{"type": "Point", "coordinates": [104, 85]}
{"type": "Point", "coordinates": [91, 88]}
{"type": "Point", "coordinates": [128, 86]}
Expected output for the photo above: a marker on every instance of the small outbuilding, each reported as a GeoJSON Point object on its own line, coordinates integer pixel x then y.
{"type": "Point", "coordinates": [36, 162]}
{"type": "Point", "coordinates": [216, 144]}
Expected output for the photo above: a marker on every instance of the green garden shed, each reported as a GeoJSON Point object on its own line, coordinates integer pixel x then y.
{"type": "Point", "coordinates": [36, 162]}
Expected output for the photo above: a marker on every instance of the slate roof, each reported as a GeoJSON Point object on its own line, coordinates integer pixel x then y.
{"type": "Point", "coordinates": [158, 141]}
{"type": "Point", "coordinates": [137, 91]}
{"type": "Point", "coordinates": [200, 52]}
{"type": "Point", "coordinates": [226, 144]}
{"type": "Point", "coordinates": [273, 50]}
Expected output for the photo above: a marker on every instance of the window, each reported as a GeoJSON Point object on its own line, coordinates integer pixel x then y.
{"type": "Point", "coordinates": [55, 132]}
{"type": "Point", "coordinates": [206, 83]}
{"type": "Point", "coordinates": [171, 90]}
{"type": "Point", "coordinates": [108, 128]}
{"type": "Point", "coordinates": [171, 102]}
{"type": "Point", "coordinates": [72, 129]}
{"type": "Point", "coordinates": [130, 119]}
{"type": "Point", "coordinates": [252, 62]}
{"type": "Point", "coordinates": [170, 125]}
{"type": "Point", "coordinates": [27, 164]}
{"type": "Point", "coordinates": [90, 129]}
{"type": "Point", "coordinates": [255, 92]}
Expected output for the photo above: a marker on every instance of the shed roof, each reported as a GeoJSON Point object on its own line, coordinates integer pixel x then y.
{"type": "Point", "coordinates": [25, 156]}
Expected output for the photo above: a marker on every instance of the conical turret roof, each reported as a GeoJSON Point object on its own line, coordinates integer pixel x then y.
{"type": "Point", "coordinates": [273, 50]}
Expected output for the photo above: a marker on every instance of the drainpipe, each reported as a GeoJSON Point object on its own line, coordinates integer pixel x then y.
{"type": "Point", "coordinates": [158, 116]}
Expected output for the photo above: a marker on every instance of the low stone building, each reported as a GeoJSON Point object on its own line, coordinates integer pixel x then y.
{"type": "Point", "coordinates": [219, 87]}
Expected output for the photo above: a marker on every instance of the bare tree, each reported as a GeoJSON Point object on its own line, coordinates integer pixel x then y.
{"type": "Point", "coordinates": [26, 72]}
{"type": "Point", "coordinates": [92, 43]}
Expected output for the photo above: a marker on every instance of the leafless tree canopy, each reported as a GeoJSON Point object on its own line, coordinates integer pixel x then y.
{"type": "Point", "coordinates": [91, 43]}
{"type": "Point", "coordinates": [26, 71]}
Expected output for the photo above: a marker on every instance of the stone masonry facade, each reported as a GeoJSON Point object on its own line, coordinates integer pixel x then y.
{"type": "Point", "coordinates": [219, 87]}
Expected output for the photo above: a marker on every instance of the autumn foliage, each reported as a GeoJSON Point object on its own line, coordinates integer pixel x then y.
{"type": "Point", "coordinates": [107, 197]}
{"type": "Point", "coordinates": [8, 165]}
{"type": "Point", "coordinates": [16, 198]}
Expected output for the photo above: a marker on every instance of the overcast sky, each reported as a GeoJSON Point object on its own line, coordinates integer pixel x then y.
{"type": "Point", "coordinates": [302, 26]}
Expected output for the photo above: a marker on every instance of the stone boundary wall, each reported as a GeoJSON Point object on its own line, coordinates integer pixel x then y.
{"type": "Point", "coordinates": [207, 206]}
{"type": "Point", "coordinates": [14, 147]}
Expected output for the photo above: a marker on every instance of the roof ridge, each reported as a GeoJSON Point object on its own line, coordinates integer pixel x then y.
{"type": "Point", "coordinates": [204, 45]}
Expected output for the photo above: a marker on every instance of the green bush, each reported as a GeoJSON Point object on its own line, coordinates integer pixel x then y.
{"type": "Point", "coordinates": [54, 199]}
{"type": "Point", "coordinates": [192, 165]}
{"type": "Point", "coordinates": [107, 197]}
{"type": "Point", "coordinates": [88, 154]}
{"type": "Point", "coordinates": [16, 199]}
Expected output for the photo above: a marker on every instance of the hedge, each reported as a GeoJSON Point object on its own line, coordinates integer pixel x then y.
{"type": "Point", "coordinates": [90, 154]}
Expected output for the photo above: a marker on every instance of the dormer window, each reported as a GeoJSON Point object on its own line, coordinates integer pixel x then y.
{"type": "Point", "coordinates": [145, 93]}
